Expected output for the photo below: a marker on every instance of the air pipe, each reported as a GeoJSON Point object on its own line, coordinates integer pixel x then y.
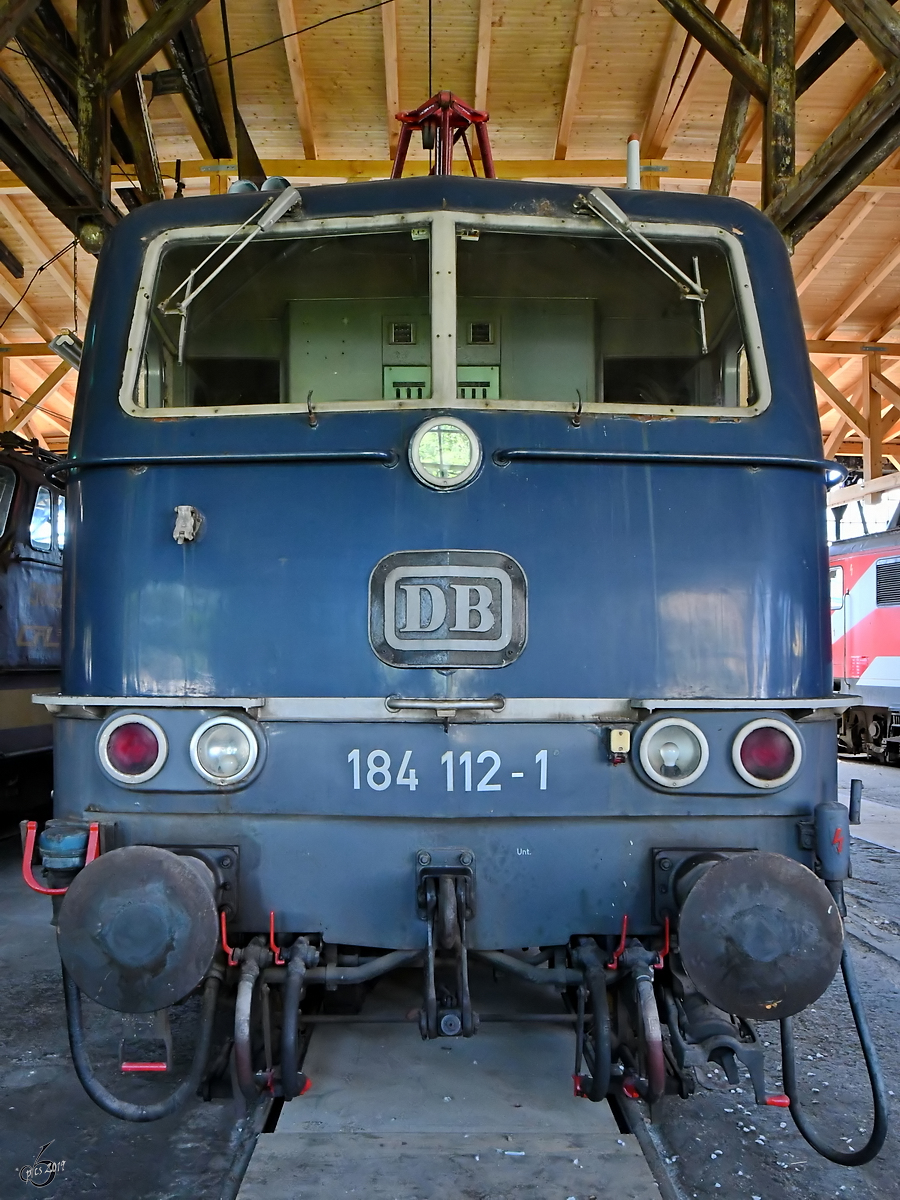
{"type": "Point", "coordinates": [123, 1109]}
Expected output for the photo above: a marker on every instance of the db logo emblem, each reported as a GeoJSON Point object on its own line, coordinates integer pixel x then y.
{"type": "Point", "coordinates": [447, 608]}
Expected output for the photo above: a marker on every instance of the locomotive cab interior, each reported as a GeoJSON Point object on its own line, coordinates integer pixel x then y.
{"type": "Point", "coordinates": [540, 318]}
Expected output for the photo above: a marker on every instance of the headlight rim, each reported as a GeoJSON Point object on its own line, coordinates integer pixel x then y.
{"type": "Point", "coordinates": [236, 723]}
{"type": "Point", "coordinates": [467, 475]}
{"type": "Point", "coordinates": [132, 718]}
{"type": "Point", "coordinates": [665, 781]}
{"type": "Point", "coordinates": [766, 723]}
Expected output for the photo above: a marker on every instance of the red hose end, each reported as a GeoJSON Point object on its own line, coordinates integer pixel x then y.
{"type": "Point", "coordinates": [307, 1084]}
{"type": "Point", "coordinates": [779, 1101]}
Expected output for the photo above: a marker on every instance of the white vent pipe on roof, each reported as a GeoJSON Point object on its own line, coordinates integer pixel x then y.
{"type": "Point", "coordinates": [633, 164]}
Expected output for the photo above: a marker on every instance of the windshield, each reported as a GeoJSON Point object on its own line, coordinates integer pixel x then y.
{"type": "Point", "coordinates": [557, 319]}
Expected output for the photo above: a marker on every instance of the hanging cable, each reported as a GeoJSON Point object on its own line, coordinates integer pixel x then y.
{"type": "Point", "coordinates": [430, 47]}
{"type": "Point", "coordinates": [42, 267]}
{"type": "Point", "coordinates": [295, 33]}
{"type": "Point", "coordinates": [75, 283]}
{"type": "Point", "coordinates": [848, 1157]}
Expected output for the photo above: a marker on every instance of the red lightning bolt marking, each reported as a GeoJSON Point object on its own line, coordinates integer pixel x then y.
{"type": "Point", "coordinates": [838, 840]}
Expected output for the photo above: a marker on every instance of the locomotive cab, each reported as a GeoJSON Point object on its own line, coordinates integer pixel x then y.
{"type": "Point", "coordinates": [450, 617]}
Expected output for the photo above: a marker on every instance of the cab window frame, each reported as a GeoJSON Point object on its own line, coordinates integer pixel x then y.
{"type": "Point", "coordinates": [444, 229]}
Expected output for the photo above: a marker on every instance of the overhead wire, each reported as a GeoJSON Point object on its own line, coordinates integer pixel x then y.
{"type": "Point", "coordinates": [296, 33]}
{"type": "Point", "coordinates": [49, 263]}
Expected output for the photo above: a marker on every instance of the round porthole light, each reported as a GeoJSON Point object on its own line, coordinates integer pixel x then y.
{"type": "Point", "coordinates": [132, 748]}
{"type": "Point", "coordinates": [445, 453]}
{"type": "Point", "coordinates": [674, 752]}
{"type": "Point", "coordinates": [767, 753]}
{"type": "Point", "coordinates": [224, 750]}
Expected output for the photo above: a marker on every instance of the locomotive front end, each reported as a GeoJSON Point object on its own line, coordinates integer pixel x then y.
{"type": "Point", "coordinates": [465, 613]}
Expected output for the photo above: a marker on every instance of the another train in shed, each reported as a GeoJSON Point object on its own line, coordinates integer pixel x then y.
{"type": "Point", "coordinates": [430, 601]}
{"type": "Point", "coordinates": [32, 536]}
{"type": "Point", "coordinates": [865, 634]}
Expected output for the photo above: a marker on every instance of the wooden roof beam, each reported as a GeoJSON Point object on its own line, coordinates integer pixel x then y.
{"type": "Point", "coordinates": [859, 144]}
{"type": "Point", "coordinates": [158, 29]}
{"type": "Point", "coordinates": [836, 240]}
{"type": "Point", "coordinates": [875, 23]}
{"type": "Point", "coordinates": [483, 55]}
{"type": "Point", "coordinates": [41, 392]}
{"type": "Point", "coordinates": [808, 72]}
{"type": "Point", "coordinates": [718, 40]}
{"type": "Point", "coordinates": [573, 82]}
{"type": "Point", "coordinates": [12, 15]}
{"type": "Point", "coordinates": [860, 293]}
{"type": "Point", "coordinates": [14, 298]}
{"type": "Point", "coordinates": [137, 118]}
{"type": "Point", "coordinates": [840, 402]}
{"type": "Point", "coordinates": [290, 24]}
{"type": "Point", "coordinates": [678, 44]}
{"type": "Point", "coordinates": [29, 147]}
{"type": "Point", "coordinates": [197, 101]}
{"type": "Point", "coordinates": [679, 79]}
{"type": "Point", "coordinates": [736, 107]}
{"type": "Point", "coordinates": [391, 75]}
{"type": "Point", "coordinates": [62, 276]}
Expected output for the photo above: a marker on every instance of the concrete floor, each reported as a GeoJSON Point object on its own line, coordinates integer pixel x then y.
{"type": "Point", "coordinates": [723, 1147]}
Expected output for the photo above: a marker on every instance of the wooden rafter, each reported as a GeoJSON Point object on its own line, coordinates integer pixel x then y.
{"type": "Point", "coordinates": [50, 384]}
{"type": "Point", "coordinates": [858, 294]}
{"type": "Point", "coordinates": [736, 107]}
{"type": "Point", "coordinates": [24, 310]}
{"type": "Point", "coordinates": [836, 241]}
{"type": "Point", "coordinates": [57, 271]}
{"type": "Point", "coordinates": [391, 75]}
{"type": "Point", "coordinates": [861, 142]}
{"type": "Point", "coordinates": [137, 117]}
{"type": "Point", "coordinates": [838, 400]}
{"type": "Point", "coordinates": [718, 40]}
{"type": "Point", "coordinates": [12, 14]}
{"type": "Point", "coordinates": [290, 24]}
{"type": "Point", "coordinates": [875, 23]}
{"type": "Point", "coordinates": [483, 56]}
{"type": "Point", "coordinates": [158, 29]}
{"type": "Point", "coordinates": [573, 82]}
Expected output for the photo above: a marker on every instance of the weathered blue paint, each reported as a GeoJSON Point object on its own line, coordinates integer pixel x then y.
{"type": "Point", "coordinates": [644, 580]}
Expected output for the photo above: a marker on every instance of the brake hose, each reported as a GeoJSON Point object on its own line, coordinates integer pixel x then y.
{"type": "Point", "coordinates": [111, 1104]}
{"type": "Point", "coordinates": [845, 1158]}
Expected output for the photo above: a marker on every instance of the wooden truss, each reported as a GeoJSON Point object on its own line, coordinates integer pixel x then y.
{"type": "Point", "coordinates": [762, 64]}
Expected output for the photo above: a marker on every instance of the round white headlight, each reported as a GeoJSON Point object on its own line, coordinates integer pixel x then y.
{"type": "Point", "coordinates": [674, 752]}
{"type": "Point", "coordinates": [444, 453]}
{"type": "Point", "coordinates": [224, 750]}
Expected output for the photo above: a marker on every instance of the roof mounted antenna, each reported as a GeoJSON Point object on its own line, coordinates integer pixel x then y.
{"type": "Point", "coordinates": [443, 121]}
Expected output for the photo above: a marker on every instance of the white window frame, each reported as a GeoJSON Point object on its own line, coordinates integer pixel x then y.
{"type": "Point", "coordinates": [443, 229]}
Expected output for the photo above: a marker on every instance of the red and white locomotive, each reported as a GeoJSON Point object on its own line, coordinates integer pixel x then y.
{"type": "Point", "coordinates": [865, 635]}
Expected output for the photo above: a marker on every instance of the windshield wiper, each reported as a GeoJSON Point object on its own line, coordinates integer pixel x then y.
{"type": "Point", "coordinates": [262, 220]}
{"type": "Point", "coordinates": [598, 203]}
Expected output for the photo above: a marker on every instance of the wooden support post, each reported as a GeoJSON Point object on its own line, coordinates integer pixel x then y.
{"type": "Point", "coordinates": [872, 448]}
{"type": "Point", "coordinates": [137, 118]}
{"type": "Point", "coordinates": [736, 108]}
{"type": "Point", "coordinates": [778, 151]}
{"type": "Point", "coordinates": [93, 98]}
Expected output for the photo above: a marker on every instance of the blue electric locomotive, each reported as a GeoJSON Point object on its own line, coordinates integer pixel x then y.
{"type": "Point", "coordinates": [447, 583]}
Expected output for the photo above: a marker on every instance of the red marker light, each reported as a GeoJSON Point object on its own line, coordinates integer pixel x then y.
{"type": "Point", "coordinates": [767, 753]}
{"type": "Point", "coordinates": [132, 749]}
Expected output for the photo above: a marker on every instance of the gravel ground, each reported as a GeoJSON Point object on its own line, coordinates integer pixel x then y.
{"type": "Point", "coordinates": [181, 1158]}
{"type": "Point", "coordinates": [723, 1145]}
